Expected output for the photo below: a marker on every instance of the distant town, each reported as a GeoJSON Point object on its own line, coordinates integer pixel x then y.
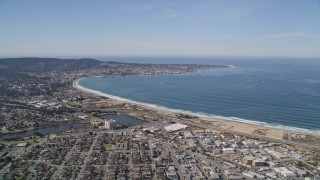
{"type": "Point", "coordinates": [37, 92]}
{"type": "Point", "coordinates": [51, 129]}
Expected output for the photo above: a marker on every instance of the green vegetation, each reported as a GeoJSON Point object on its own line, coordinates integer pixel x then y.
{"type": "Point", "coordinates": [108, 146]}
{"type": "Point", "coordinates": [22, 177]}
{"type": "Point", "coordinates": [315, 160]}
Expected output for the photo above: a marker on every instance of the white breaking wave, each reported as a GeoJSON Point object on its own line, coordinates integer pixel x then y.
{"type": "Point", "coordinates": [200, 114]}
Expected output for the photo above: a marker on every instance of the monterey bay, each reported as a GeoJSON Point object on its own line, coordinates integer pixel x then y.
{"type": "Point", "coordinates": [165, 90]}
{"type": "Point", "coordinates": [278, 93]}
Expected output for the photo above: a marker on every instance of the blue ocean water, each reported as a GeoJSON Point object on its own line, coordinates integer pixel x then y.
{"type": "Point", "coordinates": [275, 92]}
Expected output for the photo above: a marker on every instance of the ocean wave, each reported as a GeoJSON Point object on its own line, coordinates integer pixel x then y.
{"type": "Point", "coordinates": [200, 114]}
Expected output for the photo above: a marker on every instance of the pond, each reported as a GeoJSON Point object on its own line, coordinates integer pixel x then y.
{"type": "Point", "coordinates": [44, 131]}
{"type": "Point", "coordinates": [124, 119]}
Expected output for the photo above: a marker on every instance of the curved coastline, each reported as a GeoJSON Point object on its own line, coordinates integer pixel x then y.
{"type": "Point", "coordinates": [200, 114]}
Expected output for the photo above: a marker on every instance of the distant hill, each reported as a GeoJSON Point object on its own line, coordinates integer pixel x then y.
{"type": "Point", "coordinates": [47, 64]}
{"type": "Point", "coordinates": [24, 77]}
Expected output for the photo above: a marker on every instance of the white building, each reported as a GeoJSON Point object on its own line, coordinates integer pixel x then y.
{"type": "Point", "coordinates": [107, 125]}
{"type": "Point", "coordinates": [175, 127]}
{"type": "Point", "coordinates": [276, 154]}
{"type": "Point", "coordinates": [253, 175]}
{"type": "Point", "coordinates": [284, 172]}
{"type": "Point", "coordinates": [22, 144]}
{"type": "Point", "coordinates": [228, 150]}
{"type": "Point", "coordinates": [250, 144]}
{"type": "Point", "coordinates": [188, 134]}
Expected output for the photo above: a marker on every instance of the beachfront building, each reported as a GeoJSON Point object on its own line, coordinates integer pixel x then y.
{"type": "Point", "coordinates": [175, 127]}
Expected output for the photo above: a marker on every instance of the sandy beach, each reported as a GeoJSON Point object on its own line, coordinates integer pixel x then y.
{"type": "Point", "coordinates": [153, 113]}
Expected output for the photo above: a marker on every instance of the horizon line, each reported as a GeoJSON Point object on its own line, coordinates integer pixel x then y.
{"type": "Point", "coordinates": [155, 56]}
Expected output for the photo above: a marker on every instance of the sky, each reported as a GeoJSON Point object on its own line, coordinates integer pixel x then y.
{"type": "Point", "coordinates": [84, 28]}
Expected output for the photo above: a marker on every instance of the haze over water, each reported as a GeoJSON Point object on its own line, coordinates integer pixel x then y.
{"type": "Point", "coordinates": [276, 92]}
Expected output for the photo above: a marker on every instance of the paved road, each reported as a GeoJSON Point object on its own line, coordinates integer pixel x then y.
{"type": "Point", "coordinates": [83, 167]}
{"type": "Point", "coordinates": [176, 163]}
{"type": "Point", "coordinates": [58, 171]}
{"type": "Point", "coordinates": [18, 154]}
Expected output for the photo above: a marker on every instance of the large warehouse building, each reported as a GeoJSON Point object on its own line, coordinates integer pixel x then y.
{"type": "Point", "coordinates": [175, 127]}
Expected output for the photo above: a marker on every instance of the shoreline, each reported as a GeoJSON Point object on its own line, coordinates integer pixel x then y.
{"type": "Point", "coordinates": [225, 123]}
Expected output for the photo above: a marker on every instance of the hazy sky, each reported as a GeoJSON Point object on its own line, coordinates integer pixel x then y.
{"type": "Point", "coordinates": [160, 27]}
